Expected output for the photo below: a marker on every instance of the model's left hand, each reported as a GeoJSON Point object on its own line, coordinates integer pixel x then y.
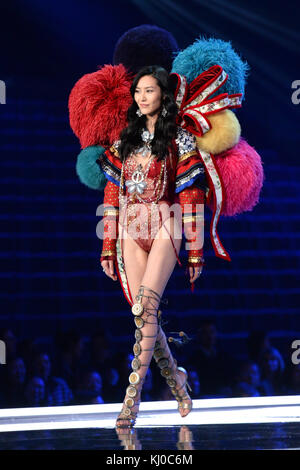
{"type": "Point", "coordinates": [195, 272]}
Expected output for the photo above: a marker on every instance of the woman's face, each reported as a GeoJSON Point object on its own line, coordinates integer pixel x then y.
{"type": "Point", "coordinates": [148, 95]}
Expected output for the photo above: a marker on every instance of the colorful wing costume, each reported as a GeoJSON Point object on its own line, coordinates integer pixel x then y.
{"type": "Point", "coordinates": [210, 163]}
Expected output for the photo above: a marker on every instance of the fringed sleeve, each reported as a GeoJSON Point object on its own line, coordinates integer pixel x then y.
{"type": "Point", "coordinates": [111, 166]}
{"type": "Point", "coordinates": [191, 186]}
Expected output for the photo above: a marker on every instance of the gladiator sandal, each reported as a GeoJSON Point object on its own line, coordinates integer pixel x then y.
{"type": "Point", "coordinates": [146, 322]}
{"type": "Point", "coordinates": [169, 370]}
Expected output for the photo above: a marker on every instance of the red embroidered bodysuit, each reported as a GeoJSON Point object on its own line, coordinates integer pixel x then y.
{"type": "Point", "coordinates": [140, 205]}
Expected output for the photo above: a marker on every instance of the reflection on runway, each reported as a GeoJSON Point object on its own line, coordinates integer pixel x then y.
{"type": "Point", "coordinates": [129, 439]}
{"type": "Point", "coordinates": [235, 423]}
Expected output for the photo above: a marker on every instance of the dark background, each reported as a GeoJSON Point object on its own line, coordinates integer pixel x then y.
{"type": "Point", "coordinates": [51, 277]}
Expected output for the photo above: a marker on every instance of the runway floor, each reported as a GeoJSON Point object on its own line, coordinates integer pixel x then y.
{"type": "Point", "coordinates": [231, 424]}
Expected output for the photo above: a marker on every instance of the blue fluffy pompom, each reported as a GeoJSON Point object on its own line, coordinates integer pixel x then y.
{"type": "Point", "coordinates": [88, 171]}
{"type": "Point", "coordinates": [204, 53]}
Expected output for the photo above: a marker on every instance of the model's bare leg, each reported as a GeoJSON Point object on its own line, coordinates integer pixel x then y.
{"type": "Point", "coordinates": [135, 261]}
{"type": "Point", "coordinates": [161, 261]}
{"type": "Point", "coordinates": [159, 267]}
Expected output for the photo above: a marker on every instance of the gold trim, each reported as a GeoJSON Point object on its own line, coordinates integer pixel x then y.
{"type": "Point", "coordinates": [108, 253]}
{"type": "Point", "coordinates": [114, 151]}
{"type": "Point", "coordinates": [181, 181]}
{"type": "Point", "coordinates": [186, 155]}
{"type": "Point", "coordinates": [196, 259]}
{"type": "Point", "coordinates": [192, 218]}
{"type": "Point", "coordinates": [110, 211]}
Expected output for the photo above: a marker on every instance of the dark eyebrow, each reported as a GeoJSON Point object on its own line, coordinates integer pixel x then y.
{"type": "Point", "coordinates": [137, 87]}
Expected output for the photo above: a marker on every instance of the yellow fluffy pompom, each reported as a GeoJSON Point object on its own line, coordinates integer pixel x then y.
{"type": "Point", "coordinates": [224, 133]}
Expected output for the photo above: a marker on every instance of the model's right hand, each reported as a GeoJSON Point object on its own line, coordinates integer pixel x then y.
{"type": "Point", "coordinates": [108, 266]}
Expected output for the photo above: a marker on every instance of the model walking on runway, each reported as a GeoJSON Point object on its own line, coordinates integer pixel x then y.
{"type": "Point", "coordinates": [153, 166]}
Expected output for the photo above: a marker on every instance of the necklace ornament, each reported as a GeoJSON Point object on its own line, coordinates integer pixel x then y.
{"type": "Point", "coordinates": [147, 147]}
{"type": "Point", "coordinates": [137, 183]}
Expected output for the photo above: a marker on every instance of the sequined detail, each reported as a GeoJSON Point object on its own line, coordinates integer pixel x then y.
{"type": "Point", "coordinates": [180, 177]}
{"type": "Point", "coordinates": [108, 253]}
{"type": "Point", "coordinates": [111, 166]}
{"type": "Point", "coordinates": [196, 259]}
{"type": "Point", "coordinates": [186, 142]}
{"type": "Point", "coordinates": [112, 211]}
{"type": "Point", "coordinates": [189, 167]}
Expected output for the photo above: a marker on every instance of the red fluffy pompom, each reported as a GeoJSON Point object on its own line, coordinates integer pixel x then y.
{"type": "Point", "coordinates": [98, 105]}
{"type": "Point", "coordinates": [242, 175]}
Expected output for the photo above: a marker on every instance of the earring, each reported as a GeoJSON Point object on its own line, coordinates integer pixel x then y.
{"type": "Point", "coordinates": [164, 112]}
{"type": "Point", "coordinates": [139, 113]}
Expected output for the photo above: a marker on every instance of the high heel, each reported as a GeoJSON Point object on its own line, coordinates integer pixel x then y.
{"type": "Point", "coordinates": [180, 399]}
{"type": "Point", "coordinates": [163, 357]}
{"type": "Point", "coordinates": [127, 417]}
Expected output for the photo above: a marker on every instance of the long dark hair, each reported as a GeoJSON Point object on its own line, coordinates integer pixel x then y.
{"type": "Point", "coordinates": [165, 127]}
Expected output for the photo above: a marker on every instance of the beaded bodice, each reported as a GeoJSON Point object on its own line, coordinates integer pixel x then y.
{"type": "Point", "coordinates": [147, 182]}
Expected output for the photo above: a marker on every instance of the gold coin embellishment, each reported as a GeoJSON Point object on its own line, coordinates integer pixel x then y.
{"type": "Point", "coordinates": [137, 309]}
{"type": "Point", "coordinates": [138, 335]}
{"type": "Point", "coordinates": [131, 391]}
{"type": "Point", "coordinates": [135, 363]}
{"type": "Point", "coordinates": [136, 349]}
{"type": "Point", "coordinates": [127, 412]}
{"type": "Point", "coordinates": [139, 322]}
{"type": "Point", "coordinates": [171, 382]}
{"type": "Point", "coordinates": [129, 402]}
{"type": "Point", "coordinates": [158, 353]}
{"type": "Point", "coordinates": [134, 378]}
{"type": "Point", "coordinates": [166, 372]}
{"type": "Point", "coordinates": [163, 363]}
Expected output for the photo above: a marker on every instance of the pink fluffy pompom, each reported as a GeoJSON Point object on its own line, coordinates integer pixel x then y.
{"type": "Point", "coordinates": [98, 105]}
{"type": "Point", "coordinates": [242, 175]}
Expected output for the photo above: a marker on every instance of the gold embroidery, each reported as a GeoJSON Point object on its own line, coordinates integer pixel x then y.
{"type": "Point", "coordinates": [185, 156]}
{"type": "Point", "coordinates": [196, 259]}
{"type": "Point", "coordinates": [192, 218]}
{"type": "Point", "coordinates": [108, 253]}
{"type": "Point", "coordinates": [111, 211]}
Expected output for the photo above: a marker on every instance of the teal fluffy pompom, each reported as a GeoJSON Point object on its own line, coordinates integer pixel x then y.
{"type": "Point", "coordinates": [204, 53]}
{"type": "Point", "coordinates": [88, 171]}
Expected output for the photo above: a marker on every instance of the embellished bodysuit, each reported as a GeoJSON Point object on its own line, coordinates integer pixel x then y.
{"type": "Point", "coordinates": [139, 198]}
